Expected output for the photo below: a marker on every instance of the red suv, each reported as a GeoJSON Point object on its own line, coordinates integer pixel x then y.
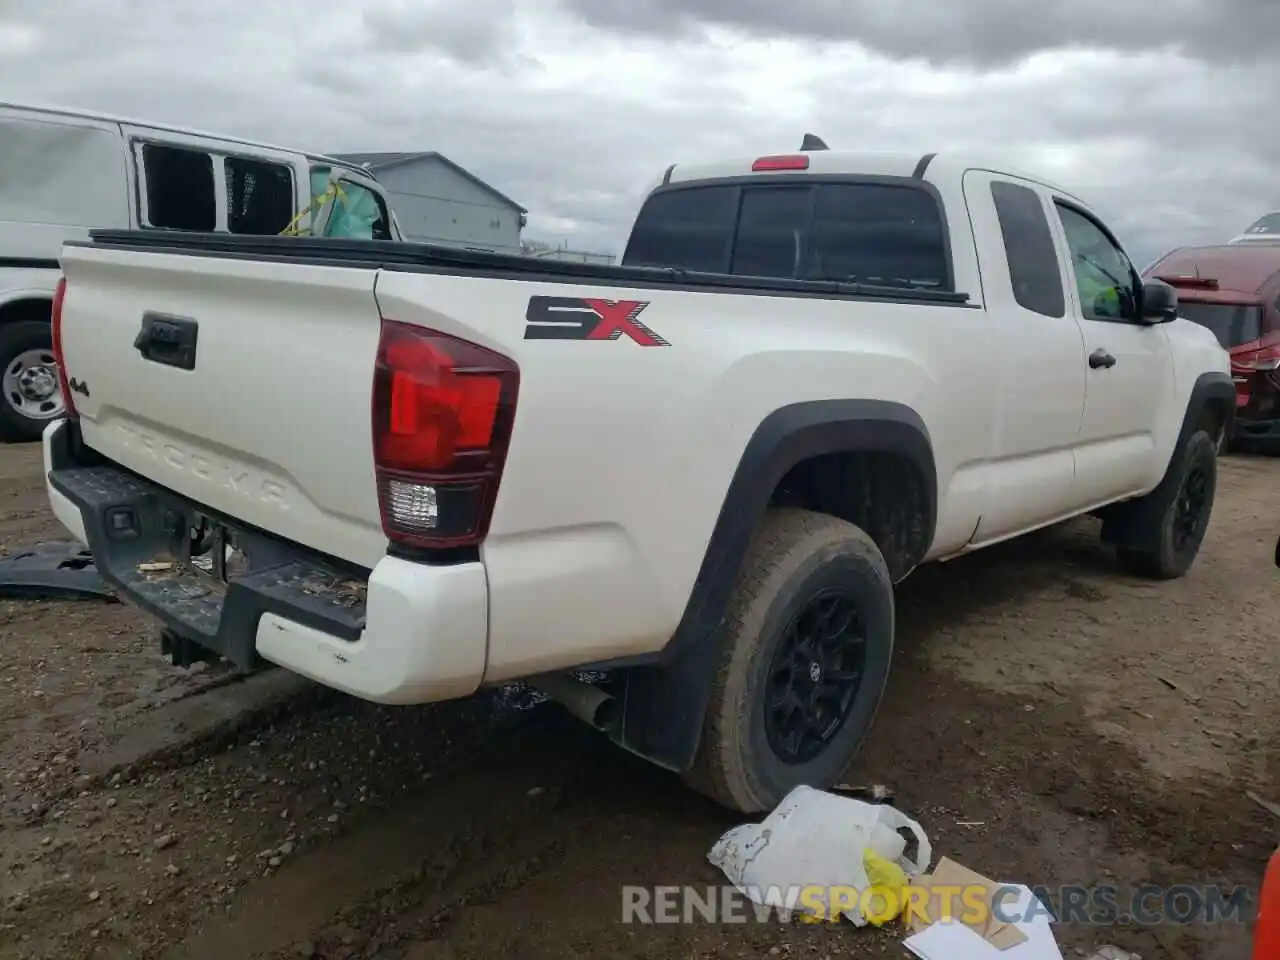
{"type": "Point", "coordinates": [1234, 290]}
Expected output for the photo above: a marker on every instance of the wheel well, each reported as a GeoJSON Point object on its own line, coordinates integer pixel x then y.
{"type": "Point", "coordinates": [882, 493]}
{"type": "Point", "coordinates": [33, 308]}
{"type": "Point", "coordinates": [1213, 416]}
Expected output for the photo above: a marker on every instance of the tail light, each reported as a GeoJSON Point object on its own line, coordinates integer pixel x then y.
{"type": "Point", "coordinates": [59, 295]}
{"type": "Point", "coordinates": [443, 409]}
{"type": "Point", "coordinates": [1268, 358]}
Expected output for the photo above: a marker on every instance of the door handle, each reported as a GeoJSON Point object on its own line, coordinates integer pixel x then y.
{"type": "Point", "coordinates": [1100, 358]}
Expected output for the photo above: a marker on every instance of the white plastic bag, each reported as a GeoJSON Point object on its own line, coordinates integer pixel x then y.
{"type": "Point", "coordinates": [815, 840]}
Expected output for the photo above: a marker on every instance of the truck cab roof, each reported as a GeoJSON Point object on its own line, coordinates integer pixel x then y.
{"type": "Point", "coordinates": [933, 167]}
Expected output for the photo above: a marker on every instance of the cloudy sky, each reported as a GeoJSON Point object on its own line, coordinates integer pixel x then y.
{"type": "Point", "coordinates": [1163, 113]}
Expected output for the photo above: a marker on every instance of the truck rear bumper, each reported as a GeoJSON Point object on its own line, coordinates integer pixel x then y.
{"type": "Point", "coordinates": [403, 632]}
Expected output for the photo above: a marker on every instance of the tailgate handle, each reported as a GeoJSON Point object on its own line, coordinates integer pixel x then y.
{"type": "Point", "coordinates": [168, 340]}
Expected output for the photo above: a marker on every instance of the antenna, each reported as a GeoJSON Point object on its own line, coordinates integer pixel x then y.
{"type": "Point", "coordinates": [812, 141]}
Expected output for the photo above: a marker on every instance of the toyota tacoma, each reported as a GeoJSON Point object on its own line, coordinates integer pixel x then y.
{"type": "Point", "coordinates": [693, 478]}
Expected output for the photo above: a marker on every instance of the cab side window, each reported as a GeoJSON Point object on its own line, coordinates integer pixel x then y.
{"type": "Point", "coordinates": [1104, 276]}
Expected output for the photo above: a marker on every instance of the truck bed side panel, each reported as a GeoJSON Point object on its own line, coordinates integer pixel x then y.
{"type": "Point", "coordinates": [622, 454]}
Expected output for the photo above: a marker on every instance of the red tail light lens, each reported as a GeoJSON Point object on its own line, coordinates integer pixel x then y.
{"type": "Point", "coordinates": [443, 409]}
{"type": "Point", "coordinates": [1267, 358]}
{"type": "Point", "coordinates": [789, 162]}
{"type": "Point", "coordinates": [59, 294]}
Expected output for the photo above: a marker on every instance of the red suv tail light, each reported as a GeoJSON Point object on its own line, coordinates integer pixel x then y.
{"type": "Point", "coordinates": [1267, 358]}
{"type": "Point", "coordinates": [59, 295]}
{"type": "Point", "coordinates": [443, 409]}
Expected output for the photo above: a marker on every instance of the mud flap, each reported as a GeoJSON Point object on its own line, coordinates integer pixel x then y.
{"type": "Point", "coordinates": [57, 571]}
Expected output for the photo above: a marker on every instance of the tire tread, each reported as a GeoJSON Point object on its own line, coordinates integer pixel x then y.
{"type": "Point", "coordinates": [785, 537]}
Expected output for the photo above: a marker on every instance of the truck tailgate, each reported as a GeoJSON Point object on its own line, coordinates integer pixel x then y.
{"type": "Point", "coordinates": [241, 384]}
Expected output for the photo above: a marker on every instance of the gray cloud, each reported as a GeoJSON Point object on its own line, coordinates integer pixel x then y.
{"type": "Point", "coordinates": [572, 114]}
{"type": "Point", "coordinates": [973, 31]}
{"type": "Point", "coordinates": [478, 31]}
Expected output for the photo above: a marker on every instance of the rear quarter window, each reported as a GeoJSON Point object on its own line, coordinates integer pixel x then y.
{"type": "Point", "coordinates": [1034, 272]}
{"type": "Point", "coordinates": [874, 233]}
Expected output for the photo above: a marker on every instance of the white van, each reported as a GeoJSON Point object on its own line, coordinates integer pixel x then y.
{"type": "Point", "coordinates": [64, 172]}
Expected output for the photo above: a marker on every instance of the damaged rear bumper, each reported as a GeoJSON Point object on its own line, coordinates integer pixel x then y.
{"type": "Point", "coordinates": [403, 632]}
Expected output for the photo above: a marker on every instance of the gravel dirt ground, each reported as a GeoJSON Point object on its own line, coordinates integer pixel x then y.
{"type": "Point", "coordinates": [1050, 721]}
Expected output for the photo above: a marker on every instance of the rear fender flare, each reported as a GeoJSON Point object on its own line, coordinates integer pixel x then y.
{"type": "Point", "coordinates": [665, 701]}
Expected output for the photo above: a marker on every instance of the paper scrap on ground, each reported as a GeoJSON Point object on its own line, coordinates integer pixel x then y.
{"type": "Point", "coordinates": [953, 940]}
{"type": "Point", "coordinates": [953, 890]}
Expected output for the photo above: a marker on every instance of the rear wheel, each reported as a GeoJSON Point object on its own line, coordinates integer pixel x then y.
{"type": "Point", "coordinates": [29, 393]}
{"type": "Point", "coordinates": [807, 647]}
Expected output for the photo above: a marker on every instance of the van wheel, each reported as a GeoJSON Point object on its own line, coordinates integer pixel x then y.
{"type": "Point", "coordinates": [1173, 523]}
{"type": "Point", "coordinates": [29, 393]}
{"type": "Point", "coordinates": [807, 645]}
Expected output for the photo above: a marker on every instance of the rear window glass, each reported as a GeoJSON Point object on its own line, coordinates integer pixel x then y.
{"type": "Point", "coordinates": [1233, 324]}
{"type": "Point", "coordinates": [691, 229]}
{"type": "Point", "coordinates": [772, 225]}
{"type": "Point", "coordinates": [855, 232]}
{"type": "Point", "coordinates": [260, 197]}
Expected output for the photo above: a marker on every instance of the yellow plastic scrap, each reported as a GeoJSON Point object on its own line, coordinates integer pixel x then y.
{"type": "Point", "coordinates": [887, 882]}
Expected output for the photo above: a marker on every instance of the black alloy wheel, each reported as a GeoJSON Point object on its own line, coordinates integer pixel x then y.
{"type": "Point", "coordinates": [814, 677]}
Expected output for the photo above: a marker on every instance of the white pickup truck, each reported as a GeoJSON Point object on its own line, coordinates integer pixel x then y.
{"type": "Point", "coordinates": [408, 472]}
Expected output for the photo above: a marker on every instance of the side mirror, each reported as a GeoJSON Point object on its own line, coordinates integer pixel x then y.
{"type": "Point", "coordinates": [1159, 302]}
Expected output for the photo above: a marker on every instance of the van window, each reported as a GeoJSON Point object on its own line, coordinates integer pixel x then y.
{"type": "Point", "coordinates": [1233, 324]}
{"type": "Point", "coordinates": [319, 183]}
{"type": "Point", "coordinates": [180, 191]}
{"type": "Point", "coordinates": [260, 197]}
{"type": "Point", "coordinates": [874, 233]}
{"type": "Point", "coordinates": [358, 213]}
